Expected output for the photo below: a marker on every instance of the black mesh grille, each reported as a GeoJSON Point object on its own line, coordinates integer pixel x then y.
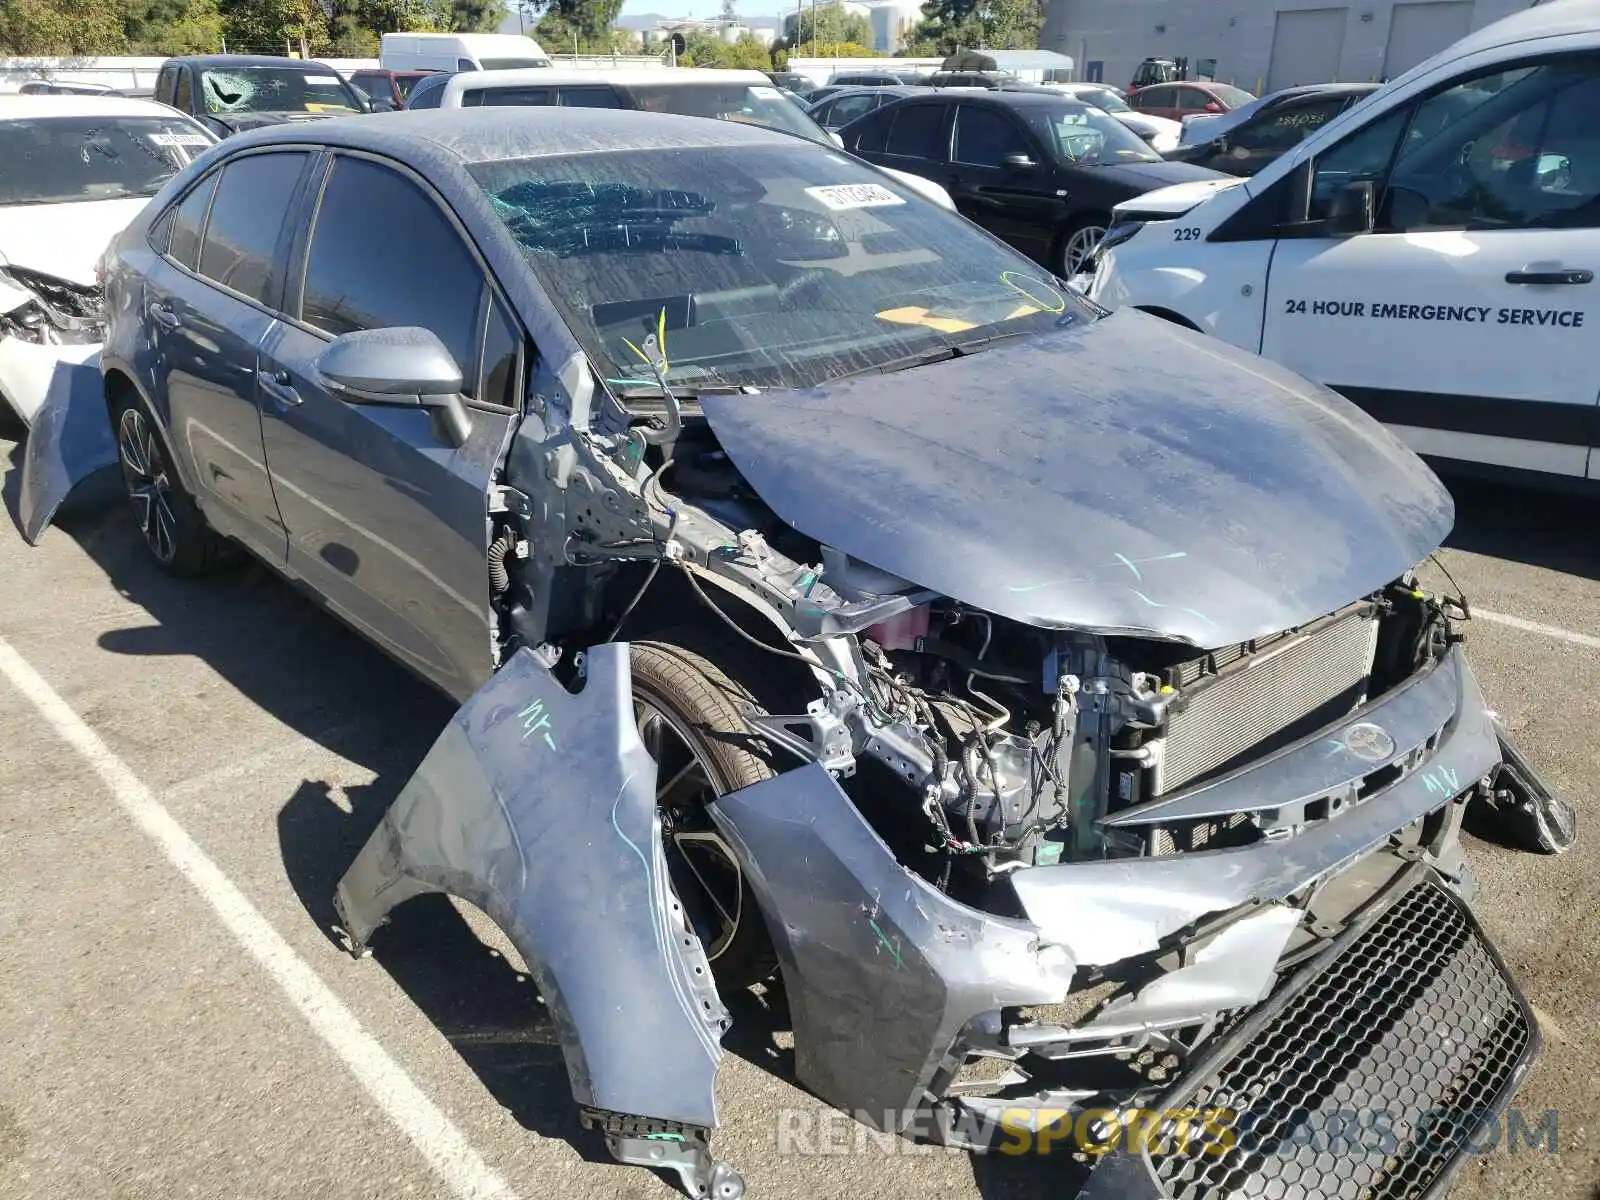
{"type": "Point", "coordinates": [1370, 1081]}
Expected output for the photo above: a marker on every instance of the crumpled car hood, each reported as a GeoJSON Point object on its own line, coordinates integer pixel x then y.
{"type": "Point", "coordinates": [1121, 476]}
{"type": "Point", "coordinates": [64, 240]}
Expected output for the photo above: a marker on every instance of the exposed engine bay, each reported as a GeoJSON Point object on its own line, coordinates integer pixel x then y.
{"type": "Point", "coordinates": [49, 311]}
{"type": "Point", "coordinates": [1013, 868]}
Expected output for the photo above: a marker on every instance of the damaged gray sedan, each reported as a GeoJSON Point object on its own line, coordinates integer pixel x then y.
{"type": "Point", "coordinates": [1046, 701]}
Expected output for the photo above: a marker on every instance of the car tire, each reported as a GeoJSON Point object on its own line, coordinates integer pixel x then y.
{"type": "Point", "coordinates": [702, 708]}
{"type": "Point", "coordinates": [1076, 242]}
{"type": "Point", "coordinates": [174, 530]}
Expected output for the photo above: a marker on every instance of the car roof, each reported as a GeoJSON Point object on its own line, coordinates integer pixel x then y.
{"type": "Point", "coordinates": [621, 76]}
{"type": "Point", "coordinates": [247, 60]}
{"type": "Point", "coordinates": [21, 108]}
{"type": "Point", "coordinates": [997, 98]}
{"type": "Point", "coordinates": [472, 135]}
{"type": "Point", "coordinates": [1552, 19]}
{"type": "Point", "coordinates": [1320, 89]}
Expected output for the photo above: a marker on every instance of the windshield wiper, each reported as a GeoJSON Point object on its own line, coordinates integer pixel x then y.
{"type": "Point", "coordinates": [687, 391]}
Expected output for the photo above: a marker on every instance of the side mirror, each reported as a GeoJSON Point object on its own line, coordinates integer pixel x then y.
{"type": "Point", "coordinates": [833, 136]}
{"type": "Point", "coordinates": [1018, 162]}
{"type": "Point", "coordinates": [1353, 210]}
{"type": "Point", "coordinates": [404, 367]}
{"type": "Point", "coordinates": [380, 104]}
{"type": "Point", "coordinates": [1213, 107]}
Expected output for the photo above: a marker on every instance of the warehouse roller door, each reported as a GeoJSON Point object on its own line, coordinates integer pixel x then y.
{"type": "Point", "coordinates": [1306, 46]}
{"type": "Point", "coordinates": [1418, 31]}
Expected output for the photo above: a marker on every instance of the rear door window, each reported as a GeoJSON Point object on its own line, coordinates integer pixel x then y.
{"type": "Point", "coordinates": [240, 250]}
{"type": "Point", "coordinates": [915, 133]}
{"type": "Point", "coordinates": [508, 97]}
{"type": "Point", "coordinates": [984, 137]}
{"type": "Point", "coordinates": [189, 223]}
{"type": "Point", "coordinates": [383, 254]}
{"type": "Point", "coordinates": [873, 132]}
{"type": "Point", "coordinates": [589, 97]}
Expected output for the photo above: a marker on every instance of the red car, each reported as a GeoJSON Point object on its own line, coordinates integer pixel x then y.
{"type": "Point", "coordinates": [1176, 101]}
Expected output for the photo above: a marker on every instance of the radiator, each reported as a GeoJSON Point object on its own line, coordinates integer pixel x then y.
{"type": "Point", "coordinates": [1235, 703]}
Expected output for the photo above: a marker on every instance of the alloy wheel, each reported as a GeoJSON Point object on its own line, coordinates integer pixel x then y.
{"type": "Point", "coordinates": [144, 471]}
{"type": "Point", "coordinates": [704, 872]}
{"type": "Point", "coordinates": [1080, 249]}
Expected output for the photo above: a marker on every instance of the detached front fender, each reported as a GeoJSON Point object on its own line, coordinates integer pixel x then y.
{"type": "Point", "coordinates": [69, 439]}
{"type": "Point", "coordinates": [539, 806]}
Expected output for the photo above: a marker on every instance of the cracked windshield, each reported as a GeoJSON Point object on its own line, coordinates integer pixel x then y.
{"type": "Point", "coordinates": [274, 89]}
{"type": "Point", "coordinates": [58, 160]}
{"type": "Point", "coordinates": [768, 267]}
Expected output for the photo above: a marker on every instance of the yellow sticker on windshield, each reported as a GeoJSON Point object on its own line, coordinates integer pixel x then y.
{"type": "Point", "coordinates": [920, 316]}
{"type": "Point", "coordinates": [327, 108]}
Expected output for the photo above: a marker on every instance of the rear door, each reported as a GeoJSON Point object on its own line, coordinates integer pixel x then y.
{"type": "Point", "coordinates": [1015, 203]}
{"type": "Point", "coordinates": [386, 519]}
{"type": "Point", "coordinates": [916, 139]}
{"type": "Point", "coordinates": [1466, 320]}
{"type": "Point", "coordinates": [208, 306]}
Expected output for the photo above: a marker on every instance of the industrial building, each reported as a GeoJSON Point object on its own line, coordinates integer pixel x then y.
{"type": "Point", "coordinates": [1262, 45]}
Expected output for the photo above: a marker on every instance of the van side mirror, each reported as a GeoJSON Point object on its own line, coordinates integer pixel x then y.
{"type": "Point", "coordinates": [1353, 210]}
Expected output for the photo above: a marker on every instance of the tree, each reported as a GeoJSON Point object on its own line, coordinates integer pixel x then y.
{"type": "Point", "coordinates": [268, 26]}
{"type": "Point", "coordinates": [830, 25]}
{"type": "Point", "coordinates": [951, 25]}
{"type": "Point", "coordinates": [707, 50]}
{"type": "Point", "coordinates": [558, 35]}
{"type": "Point", "coordinates": [57, 28]}
{"type": "Point", "coordinates": [591, 18]}
{"type": "Point", "coordinates": [171, 26]}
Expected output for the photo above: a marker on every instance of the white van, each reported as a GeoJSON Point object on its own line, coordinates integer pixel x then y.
{"type": "Point", "coordinates": [719, 94]}
{"type": "Point", "coordinates": [459, 52]}
{"type": "Point", "coordinates": [1430, 253]}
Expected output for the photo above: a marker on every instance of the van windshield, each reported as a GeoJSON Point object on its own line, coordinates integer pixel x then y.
{"type": "Point", "coordinates": [756, 104]}
{"type": "Point", "coordinates": [772, 266]}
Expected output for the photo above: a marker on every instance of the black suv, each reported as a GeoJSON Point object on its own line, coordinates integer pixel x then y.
{"type": "Point", "coordinates": [1036, 169]}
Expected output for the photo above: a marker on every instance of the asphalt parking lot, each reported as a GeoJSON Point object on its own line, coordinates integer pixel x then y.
{"type": "Point", "coordinates": [186, 770]}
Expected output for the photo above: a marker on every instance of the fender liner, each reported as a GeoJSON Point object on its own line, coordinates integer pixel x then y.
{"type": "Point", "coordinates": [539, 806]}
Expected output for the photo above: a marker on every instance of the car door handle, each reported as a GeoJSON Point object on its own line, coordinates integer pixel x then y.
{"type": "Point", "coordinates": [276, 384]}
{"type": "Point", "coordinates": [164, 316]}
{"type": "Point", "coordinates": [1559, 275]}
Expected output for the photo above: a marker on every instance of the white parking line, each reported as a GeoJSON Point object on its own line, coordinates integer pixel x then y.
{"type": "Point", "coordinates": [434, 1135]}
{"type": "Point", "coordinates": [1549, 631]}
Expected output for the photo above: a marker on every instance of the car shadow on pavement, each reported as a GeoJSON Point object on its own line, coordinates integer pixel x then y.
{"type": "Point", "coordinates": [312, 674]}
{"type": "Point", "coordinates": [1553, 530]}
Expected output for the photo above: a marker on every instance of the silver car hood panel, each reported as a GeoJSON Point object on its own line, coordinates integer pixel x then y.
{"type": "Point", "coordinates": [1120, 476]}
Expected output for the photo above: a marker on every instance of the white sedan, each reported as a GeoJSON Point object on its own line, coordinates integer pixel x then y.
{"type": "Point", "coordinates": [77, 170]}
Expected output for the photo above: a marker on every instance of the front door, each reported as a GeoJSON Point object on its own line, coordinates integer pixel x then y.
{"type": "Point", "coordinates": [1016, 203]}
{"type": "Point", "coordinates": [386, 519]}
{"type": "Point", "coordinates": [1466, 320]}
{"type": "Point", "coordinates": [208, 305]}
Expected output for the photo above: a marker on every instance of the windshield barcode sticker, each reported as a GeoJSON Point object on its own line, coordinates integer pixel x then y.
{"type": "Point", "coordinates": [767, 93]}
{"type": "Point", "coordinates": [179, 139]}
{"type": "Point", "coordinates": [322, 79]}
{"type": "Point", "coordinates": [842, 196]}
